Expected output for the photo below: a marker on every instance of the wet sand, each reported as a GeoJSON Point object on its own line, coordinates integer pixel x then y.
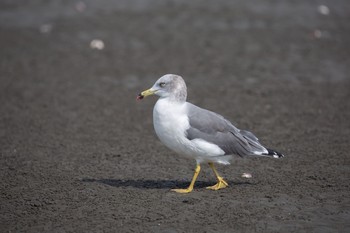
{"type": "Point", "coordinates": [79, 154]}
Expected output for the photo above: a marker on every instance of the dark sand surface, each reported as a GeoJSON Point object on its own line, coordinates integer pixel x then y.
{"type": "Point", "coordinates": [79, 154]}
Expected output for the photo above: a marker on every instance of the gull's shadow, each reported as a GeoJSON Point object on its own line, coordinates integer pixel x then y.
{"type": "Point", "coordinates": [156, 184]}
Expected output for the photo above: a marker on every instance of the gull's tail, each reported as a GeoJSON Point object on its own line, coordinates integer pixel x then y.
{"type": "Point", "coordinates": [273, 153]}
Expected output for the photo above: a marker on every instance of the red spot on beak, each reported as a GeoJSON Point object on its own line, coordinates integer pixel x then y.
{"type": "Point", "coordinates": [139, 97]}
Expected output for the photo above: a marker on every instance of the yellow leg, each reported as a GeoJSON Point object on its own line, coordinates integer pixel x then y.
{"type": "Point", "coordinates": [190, 188]}
{"type": "Point", "coordinates": [221, 182]}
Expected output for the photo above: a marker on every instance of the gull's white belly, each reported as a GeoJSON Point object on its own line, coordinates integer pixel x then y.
{"type": "Point", "coordinates": [171, 122]}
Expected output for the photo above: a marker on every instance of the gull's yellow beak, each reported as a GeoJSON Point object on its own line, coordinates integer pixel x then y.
{"type": "Point", "coordinates": [145, 94]}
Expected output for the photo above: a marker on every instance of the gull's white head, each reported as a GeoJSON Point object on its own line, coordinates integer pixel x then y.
{"type": "Point", "coordinates": [168, 86]}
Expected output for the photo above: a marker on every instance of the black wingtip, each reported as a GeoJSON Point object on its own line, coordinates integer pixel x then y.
{"type": "Point", "coordinates": [274, 154]}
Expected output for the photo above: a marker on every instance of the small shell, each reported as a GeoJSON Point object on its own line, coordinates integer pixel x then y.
{"type": "Point", "coordinates": [97, 44]}
{"type": "Point", "coordinates": [247, 175]}
{"type": "Point", "coordinates": [324, 10]}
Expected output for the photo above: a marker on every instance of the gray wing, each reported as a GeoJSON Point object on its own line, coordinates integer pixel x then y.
{"type": "Point", "coordinates": [214, 128]}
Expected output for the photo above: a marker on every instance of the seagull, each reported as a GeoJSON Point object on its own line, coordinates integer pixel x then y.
{"type": "Point", "coordinates": [198, 133]}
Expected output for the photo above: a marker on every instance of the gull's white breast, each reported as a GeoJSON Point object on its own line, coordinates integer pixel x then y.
{"type": "Point", "coordinates": [171, 122]}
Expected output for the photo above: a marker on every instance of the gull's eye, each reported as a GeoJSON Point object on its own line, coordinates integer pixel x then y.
{"type": "Point", "coordinates": [162, 84]}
